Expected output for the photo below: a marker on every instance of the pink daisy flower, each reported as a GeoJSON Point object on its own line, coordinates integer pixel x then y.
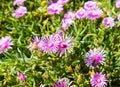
{"type": "Point", "coordinates": [98, 80]}
{"type": "Point", "coordinates": [55, 8]}
{"type": "Point", "coordinates": [95, 57]}
{"type": "Point", "coordinates": [65, 45]}
{"type": "Point", "coordinates": [5, 43]}
{"type": "Point", "coordinates": [21, 77]}
{"type": "Point", "coordinates": [90, 5]}
{"type": "Point", "coordinates": [117, 3]}
{"type": "Point", "coordinates": [94, 14]}
{"type": "Point", "coordinates": [80, 14]}
{"type": "Point", "coordinates": [108, 22]}
{"type": "Point", "coordinates": [62, 2]}
{"type": "Point", "coordinates": [63, 82]}
{"type": "Point", "coordinates": [19, 12]}
{"type": "Point", "coordinates": [18, 2]}
{"type": "Point", "coordinates": [48, 44]}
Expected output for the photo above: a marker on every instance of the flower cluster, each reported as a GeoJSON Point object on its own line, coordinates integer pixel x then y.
{"type": "Point", "coordinates": [67, 20]}
{"type": "Point", "coordinates": [56, 43]}
{"type": "Point", "coordinates": [56, 6]}
{"type": "Point", "coordinates": [21, 10]}
{"type": "Point", "coordinates": [63, 82]}
{"type": "Point", "coordinates": [90, 11]}
{"type": "Point", "coordinates": [5, 43]}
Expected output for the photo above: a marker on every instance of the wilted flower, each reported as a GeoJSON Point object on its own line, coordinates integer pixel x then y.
{"type": "Point", "coordinates": [118, 17]}
{"type": "Point", "coordinates": [5, 43]}
{"type": "Point", "coordinates": [98, 80]}
{"type": "Point", "coordinates": [18, 2]}
{"type": "Point", "coordinates": [62, 2]}
{"type": "Point", "coordinates": [95, 57]}
{"type": "Point", "coordinates": [94, 14]}
{"type": "Point", "coordinates": [21, 77]}
{"type": "Point", "coordinates": [63, 82]}
{"type": "Point", "coordinates": [19, 12]}
{"type": "Point", "coordinates": [117, 3]}
{"type": "Point", "coordinates": [65, 45]}
{"type": "Point", "coordinates": [55, 8]}
{"type": "Point", "coordinates": [34, 42]}
{"type": "Point", "coordinates": [108, 22]}
{"type": "Point", "coordinates": [80, 14]}
{"type": "Point", "coordinates": [90, 5]}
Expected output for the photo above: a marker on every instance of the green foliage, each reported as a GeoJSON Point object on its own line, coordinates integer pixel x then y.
{"type": "Point", "coordinates": [44, 68]}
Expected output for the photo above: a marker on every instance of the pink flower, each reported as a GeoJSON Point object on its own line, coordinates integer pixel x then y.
{"type": "Point", "coordinates": [95, 57]}
{"type": "Point", "coordinates": [67, 20]}
{"type": "Point", "coordinates": [80, 14]}
{"type": "Point", "coordinates": [108, 22]}
{"type": "Point", "coordinates": [69, 15]}
{"type": "Point", "coordinates": [5, 43]}
{"type": "Point", "coordinates": [48, 44]}
{"type": "Point", "coordinates": [90, 5]}
{"type": "Point", "coordinates": [118, 4]}
{"type": "Point", "coordinates": [18, 2]}
{"type": "Point", "coordinates": [65, 45]}
{"type": "Point", "coordinates": [62, 2]}
{"type": "Point", "coordinates": [118, 17]}
{"type": "Point", "coordinates": [65, 26]}
{"type": "Point", "coordinates": [98, 80]}
{"type": "Point", "coordinates": [94, 14]}
{"type": "Point", "coordinates": [21, 77]}
{"type": "Point", "coordinates": [55, 8]}
{"type": "Point", "coordinates": [19, 12]}
{"type": "Point", "coordinates": [63, 82]}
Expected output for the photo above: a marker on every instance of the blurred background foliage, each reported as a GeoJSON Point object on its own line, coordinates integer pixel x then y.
{"type": "Point", "coordinates": [44, 68]}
